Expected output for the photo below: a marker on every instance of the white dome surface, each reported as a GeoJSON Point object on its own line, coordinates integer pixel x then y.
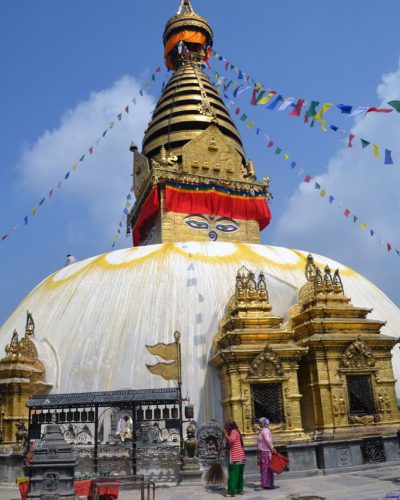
{"type": "Point", "coordinates": [94, 318]}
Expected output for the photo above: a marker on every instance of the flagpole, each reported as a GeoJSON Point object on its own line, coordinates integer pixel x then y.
{"type": "Point", "coordinates": [177, 336]}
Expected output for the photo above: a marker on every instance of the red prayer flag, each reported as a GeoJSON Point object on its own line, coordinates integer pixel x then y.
{"type": "Point", "coordinates": [126, 109]}
{"type": "Point", "coordinates": [158, 69]}
{"type": "Point", "coordinates": [270, 144]}
{"type": "Point", "coordinates": [307, 178]}
{"type": "Point", "coordinates": [91, 150]}
{"type": "Point", "coordinates": [237, 112]}
{"type": "Point", "coordinates": [351, 137]}
{"type": "Point", "coordinates": [254, 97]}
{"type": "Point", "coordinates": [346, 212]}
{"type": "Point", "coordinates": [227, 66]}
{"type": "Point", "coordinates": [297, 109]}
{"type": "Point", "coordinates": [4, 237]}
{"type": "Point", "coordinates": [379, 110]}
{"type": "Point", "coordinates": [389, 247]}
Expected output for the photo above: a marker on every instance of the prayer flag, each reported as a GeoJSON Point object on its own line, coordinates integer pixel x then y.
{"type": "Point", "coordinates": [398, 252]}
{"type": "Point", "coordinates": [376, 151]}
{"type": "Point", "coordinates": [51, 193]}
{"type": "Point", "coordinates": [240, 77]}
{"type": "Point", "coordinates": [344, 108]}
{"type": "Point", "coordinates": [388, 157]}
{"type": "Point", "coordinates": [254, 97]}
{"type": "Point", "coordinates": [359, 110]}
{"type": "Point", "coordinates": [271, 143]}
{"type": "Point", "coordinates": [82, 158]}
{"type": "Point", "coordinates": [237, 112]}
{"type": "Point", "coordinates": [4, 237]}
{"type": "Point", "coordinates": [334, 128]}
{"type": "Point", "coordinates": [317, 186]}
{"type": "Point", "coordinates": [250, 125]}
{"type": "Point", "coordinates": [355, 218]}
{"type": "Point", "coordinates": [97, 141]}
{"type": "Point", "coordinates": [297, 109]}
{"type": "Point", "coordinates": [59, 184]}
{"type": "Point", "coordinates": [126, 109]}
{"type": "Point", "coordinates": [104, 133]}
{"type": "Point", "coordinates": [168, 371]}
{"type": "Point", "coordinates": [286, 103]}
{"type": "Point", "coordinates": [235, 93]}
{"type": "Point", "coordinates": [67, 175]}
{"type": "Point", "coordinates": [379, 110]}
{"type": "Point", "coordinates": [331, 198]}
{"type": "Point", "coordinates": [323, 193]}
{"type": "Point", "coordinates": [307, 178]}
{"type": "Point", "coordinates": [389, 247]}
{"type": "Point", "coordinates": [293, 165]}
{"type": "Point", "coordinates": [141, 92]}
{"type": "Point", "coordinates": [346, 213]}
{"type": "Point", "coordinates": [364, 143]}
{"type": "Point", "coordinates": [395, 105]}
{"type": "Point", "coordinates": [312, 110]}
{"type": "Point", "coordinates": [158, 70]}
{"type": "Point", "coordinates": [258, 131]}
{"type": "Point", "coordinates": [119, 116]}
{"type": "Point", "coordinates": [90, 150]}
{"type": "Point", "coordinates": [74, 166]}
{"type": "Point", "coordinates": [129, 197]}
{"type": "Point", "coordinates": [267, 98]}
{"type": "Point", "coordinates": [126, 211]}
{"type": "Point", "coordinates": [42, 201]}
{"type": "Point", "coordinates": [153, 78]}
{"type": "Point", "coordinates": [285, 156]}
{"type": "Point", "coordinates": [33, 212]}
{"type": "Point", "coordinates": [134, 99]}
{"type": "Point", "coordinates": [372, 232]}
{"type": "Point", "coordinates": [272, 105]}
{"type": "Point", "coordinates": [278, 151]}
{"type": "Point", "coordinates": [226, 66]}
{"type": "Point", "coordinates": [350, 143]}
{"type": "Point", "coordinates": [26, 220]}
{"type": "Point", "coordinates": [363, 226]}
{"type": "Point", "coordinates": [147, 85]}
{"type": "Point", "coordinates": [243, 117]}
{"type": "Point", "coordinates": [111, 124]}
{"type": "Point", "coordinates": [319, 116]}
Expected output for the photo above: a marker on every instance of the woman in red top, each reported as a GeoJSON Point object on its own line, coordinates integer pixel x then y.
{"type": "Point", "coordinates": [237, 459]}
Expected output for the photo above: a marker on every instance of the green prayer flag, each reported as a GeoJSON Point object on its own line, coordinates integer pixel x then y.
{"type": "Point", "coordinates": [243, 118]}
{"type": "Point", "coordinates": [364, 143]}
{"type": "Point", "coordinates": [317, 186]}
{"type": "Point", "coordinates": [355, 218]}
{"type": "Point", "coordinates": [312, 110]}
{"type": "Point", "coordinates": [153, 78]}
{"type": "Point", "coordinates": [395, 105]}
{"type": "Point", "coordinates": [278, 151]}
{"type": "Point", "coordinates": [398, 252]}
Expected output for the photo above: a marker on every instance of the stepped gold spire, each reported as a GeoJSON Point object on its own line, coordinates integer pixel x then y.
{"type": "Point", "coordinates": [192, 180]}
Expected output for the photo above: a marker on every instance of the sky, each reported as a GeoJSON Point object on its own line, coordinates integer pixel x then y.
{"type": "Point", "coordinates": [67, 68]}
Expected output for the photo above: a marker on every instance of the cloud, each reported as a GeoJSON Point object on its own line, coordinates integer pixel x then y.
{"type": "Point", "coordinates": [102, 181]}
{"type": "Point", "coordinates": [368, 188]}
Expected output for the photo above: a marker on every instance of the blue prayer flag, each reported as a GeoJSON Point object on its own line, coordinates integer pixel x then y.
{"type": "Point", "coordinates": [272, 105]}
{"type": "Point", "coordinates": [26, 220]}
{"type": "Point", "coordinates": [67, 175]}
{"type": "Point", "coordinates": [293, 164]}
{"type": "Point", "coordinates": [388, 157]}
{"type": "Point", "coordinates": [331, 198]}
{"type": "Point", "coordinates": [240, 77]}
{"type": "Point", "coordinates": [334, 128]}
{"type": "Point", "coordinates": [345, 108]}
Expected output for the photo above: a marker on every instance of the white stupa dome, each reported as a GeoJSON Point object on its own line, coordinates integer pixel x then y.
{"type": "Point", "coordinates": [94, 318]}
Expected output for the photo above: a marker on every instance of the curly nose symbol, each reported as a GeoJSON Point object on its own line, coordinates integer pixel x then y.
{"type": "Point", "coordinates": [213, 235]}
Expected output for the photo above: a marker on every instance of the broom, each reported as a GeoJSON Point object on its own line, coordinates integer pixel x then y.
{"type": "Point", "coordinates": [216, 473]}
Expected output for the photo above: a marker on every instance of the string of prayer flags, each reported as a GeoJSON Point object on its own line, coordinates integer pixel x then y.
{"type": "Point", "coordinates": [344, 108]}
{"type": "Point", "coordinates": [74, 166]}
{"type": "Point", "coordinates": [323, 192]}
{"type": "Point", "coordinates": [125, 213]}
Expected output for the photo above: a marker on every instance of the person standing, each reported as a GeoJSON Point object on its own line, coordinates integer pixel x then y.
{"type": "Point", "coordinates": [237, 459]}
{"type": "Point", "coordinates": [265, 447]}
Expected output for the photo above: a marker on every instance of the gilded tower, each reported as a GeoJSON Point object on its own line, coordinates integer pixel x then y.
{"type": "Point", "coordinates": [192, 180]}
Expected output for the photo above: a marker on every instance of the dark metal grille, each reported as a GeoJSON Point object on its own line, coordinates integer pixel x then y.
{"type": "Point", "coordinates": [267, 400]}
{"type": "Point", "coordinates": [360, 395]}
{"type": "Point", "coordinates": [373, 450]}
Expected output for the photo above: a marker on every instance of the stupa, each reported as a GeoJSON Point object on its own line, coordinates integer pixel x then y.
{"type": "Point", "coordinates": [298, 334]}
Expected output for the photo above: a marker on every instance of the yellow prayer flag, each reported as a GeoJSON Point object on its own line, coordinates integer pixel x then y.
{"type": "Point", "coordinates": [74, 166]}
{"type": "Point", "coordinates": [168, 371]}
{"type": "Point", "coordinates": [219, 90]}
{"type": "Point", "coordinates": [319, 116]}
{"type": "Point", "coordinates": [363, 226]}
{"type": "Point", "coordinates": [286, 156]}
{"type": "Point", "coordinates": [169, 352]}
{"type": "Point", "coordinates": [111, 125]}
{"type": "Point", "coordinates": [33, 212]}
{"type": "Point", "coordinates": [267, 98]}
{"type": "Point", "coordinates": [147, 84]}
{"type": "Point", "coordinates": [322, 193]}
{"type": "Point", "coordinates": [116, 237]}
{"type": "Point", "coordinates": [250, 124]}
{"type": "Point", "coordinates": [376, 151]}
{"type": "Point", "coordinates": [235, 84]}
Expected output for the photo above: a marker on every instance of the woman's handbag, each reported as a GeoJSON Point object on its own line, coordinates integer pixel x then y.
{"type": "Point", "coordinates": [278, 463]}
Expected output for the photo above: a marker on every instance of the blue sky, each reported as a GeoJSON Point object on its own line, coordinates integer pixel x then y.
{"type": "Point", "coordinates": [68, 67]}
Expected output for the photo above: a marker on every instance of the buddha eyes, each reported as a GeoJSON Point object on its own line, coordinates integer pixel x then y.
{"type": "Point", "coordinates": [222, 225]}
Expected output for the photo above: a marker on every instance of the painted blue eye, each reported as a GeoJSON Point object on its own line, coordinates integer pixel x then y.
{"type": "Point", "coordinates": [196, 224]}
{"type": "Point", "coordinates": [227, 228]}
